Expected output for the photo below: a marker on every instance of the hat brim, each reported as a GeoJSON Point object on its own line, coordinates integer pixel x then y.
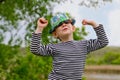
{"type": "Point", "coordinates": [73, 22]}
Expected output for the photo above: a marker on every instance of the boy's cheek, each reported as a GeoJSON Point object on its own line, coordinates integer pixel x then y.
{"type": "Point", "coordinates": [59, 30]}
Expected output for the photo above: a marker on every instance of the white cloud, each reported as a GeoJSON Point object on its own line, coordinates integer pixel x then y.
{"type": "Point", "coordinates": [114, 24]}
{"type": "Point", "coordinates": [117, 1]}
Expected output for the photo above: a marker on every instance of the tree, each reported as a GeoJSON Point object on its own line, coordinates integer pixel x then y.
{"type": "Point", "coordinates": [93, 3]}
{"type": "Point", "coordinates": [18, 17]}
{"type": "Point", "coordinates": [17, 21]}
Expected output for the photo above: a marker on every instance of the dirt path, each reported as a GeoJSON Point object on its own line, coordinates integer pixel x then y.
{"type": "Point", "coordinates": [102, 68]}
{"type": "Point", "coordinates": [102, 72]}
{"type": "Point", "coordinates": [102, 76]}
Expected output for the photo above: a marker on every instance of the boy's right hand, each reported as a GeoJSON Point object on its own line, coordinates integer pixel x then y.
{"type": "Point", "coordinates": [90, 22]}
{"type": "Point", "coordinates": [41, 24]}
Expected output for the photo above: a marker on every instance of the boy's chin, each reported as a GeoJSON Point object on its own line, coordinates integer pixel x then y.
{"type": "Point", "coordinates": [66, 33]}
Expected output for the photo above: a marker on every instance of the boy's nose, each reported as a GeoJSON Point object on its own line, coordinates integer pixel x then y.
{"type": "Point", "coordinates": [63, 24]}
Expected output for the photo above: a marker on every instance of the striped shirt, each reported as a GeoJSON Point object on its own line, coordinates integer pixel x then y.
{"type": "Point", "coordinates": [68, 57]}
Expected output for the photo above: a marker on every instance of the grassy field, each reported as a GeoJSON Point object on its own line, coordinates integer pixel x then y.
{"type": "Point", "coordinates": [101, 52]}
{"type": "Point", "coordinates": [105, 56]}
{"type": "Point", "coordinates": [106, 60]}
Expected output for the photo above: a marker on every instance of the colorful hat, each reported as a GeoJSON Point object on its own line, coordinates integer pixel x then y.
{"type": "Point", "coordinates": [57, 19]}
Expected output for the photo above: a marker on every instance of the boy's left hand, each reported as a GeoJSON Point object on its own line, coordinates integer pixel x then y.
{"type": "Point", "coordinates": [90, 22]}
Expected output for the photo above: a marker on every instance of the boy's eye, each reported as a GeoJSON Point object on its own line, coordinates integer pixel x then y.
{"type": "Point", "coordinates": [66, 22]}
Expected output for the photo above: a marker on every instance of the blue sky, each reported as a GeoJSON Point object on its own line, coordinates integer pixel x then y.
{"type": "Point", "coordinates": [108, 15]}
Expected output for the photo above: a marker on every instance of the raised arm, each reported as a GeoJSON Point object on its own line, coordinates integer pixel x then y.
{"type": "Point", "coordinates": [101, 41]}
{"type": "Point", "coordinates": [36, 46]}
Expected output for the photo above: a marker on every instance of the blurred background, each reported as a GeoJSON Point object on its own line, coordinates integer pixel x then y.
{"type": "Point", "coordinates": [18, 20]}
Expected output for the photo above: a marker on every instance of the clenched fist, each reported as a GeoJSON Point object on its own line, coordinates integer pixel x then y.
{"type": "Point", "coordinates": [41, 24]}
{"type": "Point", "coordinates": [89, 22]}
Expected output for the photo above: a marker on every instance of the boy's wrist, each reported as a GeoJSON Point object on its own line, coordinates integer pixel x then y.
{"type": "Point", "coordinates": [94, 24]}
{"type": "Point", "coordinates": [38, 30]}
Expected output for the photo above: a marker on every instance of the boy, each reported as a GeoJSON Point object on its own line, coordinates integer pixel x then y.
{"type": "Point", "coordinates": [69, 55]}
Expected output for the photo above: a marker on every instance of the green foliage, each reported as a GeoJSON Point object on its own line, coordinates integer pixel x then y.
{"type": "Point", "coordinates": [84, 78]}
{"type": "Point", "coordinates": [15, 12]}
{"type": "Point", "coordinates": [20, 64]}
{"type": "Point", "coordinates": [35, 68]}
{"type": "Point", "coordinates": [112, 58]}
{"type": "Point", "coordinates": [6, 53]}
{"type": "Point", "coordinates": [79, 33]}
{"type": "Point", "coordinates": [104, 56]}
{"type": "Point", "coordinates": [18, 18]}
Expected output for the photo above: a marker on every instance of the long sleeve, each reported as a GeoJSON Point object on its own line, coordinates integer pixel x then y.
{"type": "Point", "coordinates": [37, 48]}
{"type": "Point", "coordinates": [100, 42]}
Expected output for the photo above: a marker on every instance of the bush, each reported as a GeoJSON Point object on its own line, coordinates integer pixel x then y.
{"type": "Point", "coordinates": [20, 64]}
{"type": "Point", "coordinates": [111, 58]}
{"type": "Point", "coordinates": [116, 61]}
{"type": "Point", "coordinates": [106, 58]}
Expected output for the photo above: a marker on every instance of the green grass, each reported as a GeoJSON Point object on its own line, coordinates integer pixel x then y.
{"type": "Point", "coordinates": [107, 55]}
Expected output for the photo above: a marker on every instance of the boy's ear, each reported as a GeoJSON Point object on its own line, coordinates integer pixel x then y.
{"type": "Point", "coordinates": [54, 34]}
{"type": "Point", "coordinates": [73, 28]}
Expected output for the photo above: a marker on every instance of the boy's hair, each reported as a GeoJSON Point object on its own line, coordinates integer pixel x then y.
{"type": "Point", "coordinates": [58, 18]}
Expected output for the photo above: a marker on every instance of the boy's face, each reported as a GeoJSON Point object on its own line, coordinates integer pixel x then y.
{"type": "Point", "coordinates": [64, 29]}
